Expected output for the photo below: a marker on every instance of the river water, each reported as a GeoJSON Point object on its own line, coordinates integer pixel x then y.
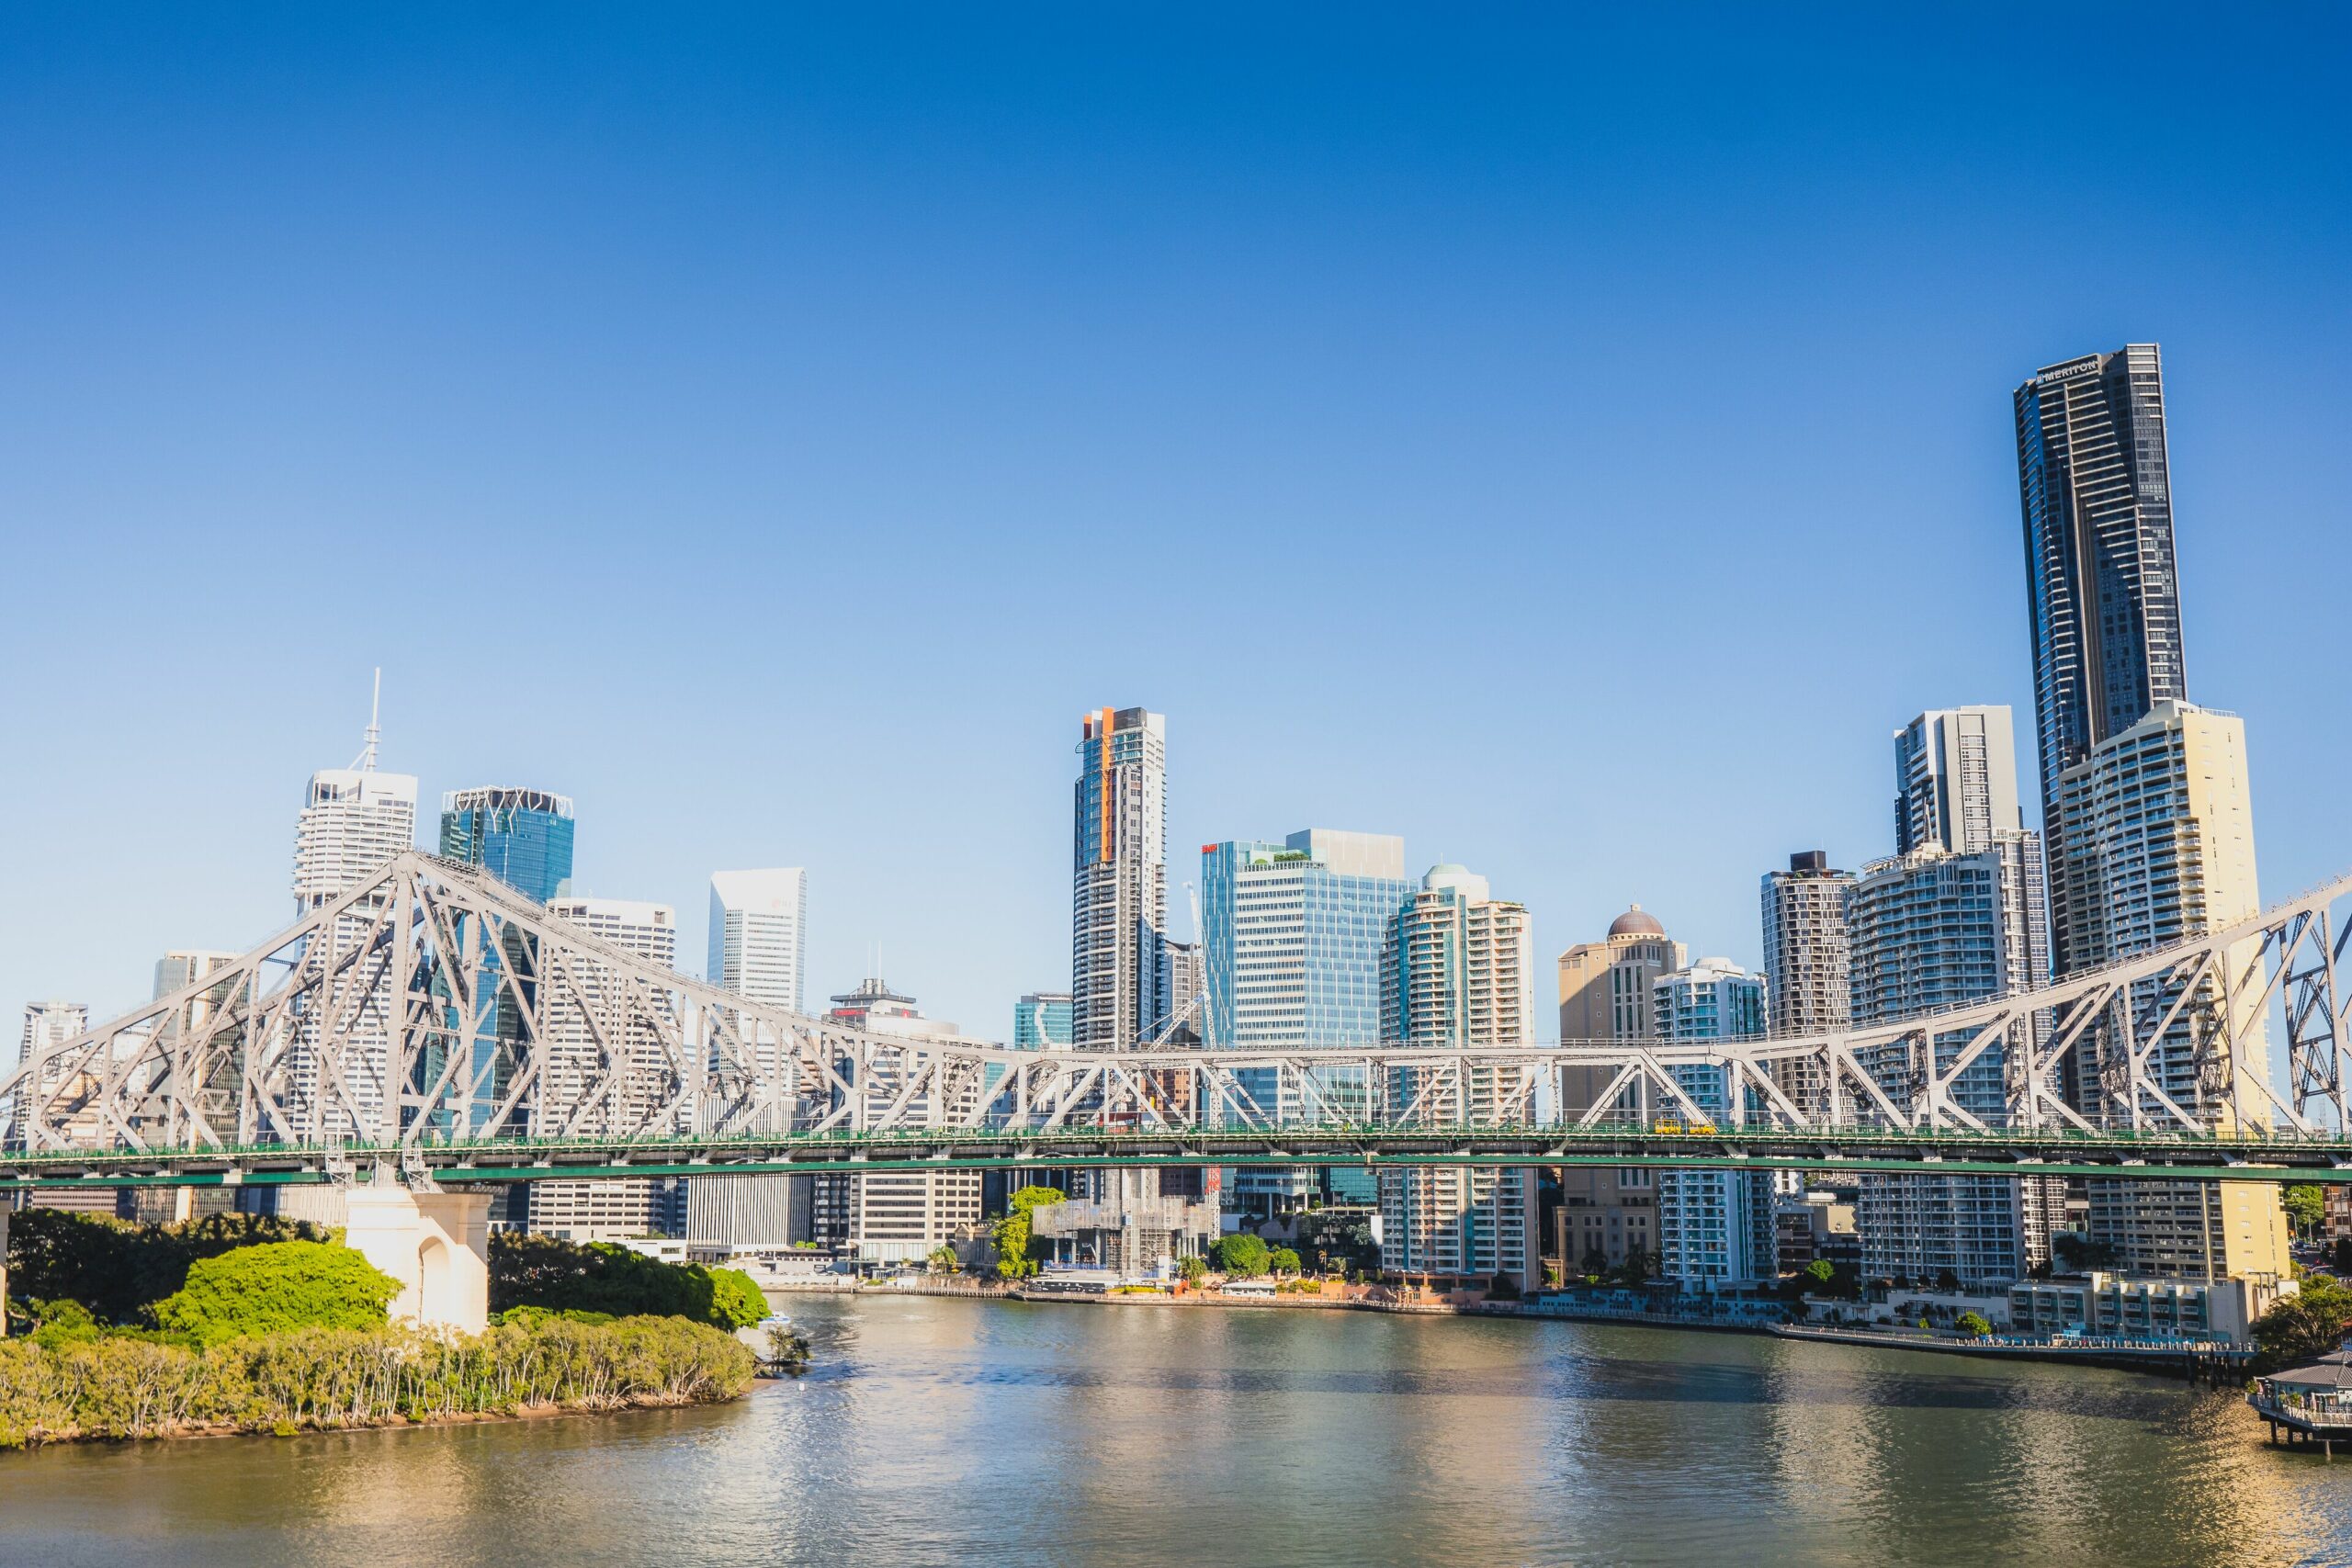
{"type": "Point", "coordinates": [936, 1430]}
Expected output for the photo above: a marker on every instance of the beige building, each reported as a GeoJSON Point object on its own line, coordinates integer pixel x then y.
{"type": "Point", "coordinates": [2159, 847]}
{"type": "Point", "coordinates": [1605, 996]}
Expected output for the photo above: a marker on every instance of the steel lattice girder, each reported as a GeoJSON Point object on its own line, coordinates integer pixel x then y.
{"type": "Point", "coordinates": [435, 1007]}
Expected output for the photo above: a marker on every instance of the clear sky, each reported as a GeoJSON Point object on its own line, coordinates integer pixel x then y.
{"type": "Point", "coordinates": [1573, 443]}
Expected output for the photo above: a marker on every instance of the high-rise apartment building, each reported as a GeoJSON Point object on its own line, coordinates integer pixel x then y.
{"type": "Point", "coordinates": [2103, 600]}
{"type": "Point", "coordinates": [1955, 780]}
{"type": "Point", "coordinates": [1187, 978]}
{"type": "Point", "coordinates": [585, 1020]}
{"type": "Point", "coordinates": [1933, 929]}
{"type": "Point", "coordinates": [1805, 964]}
{"type": "Point", "coordinates": [53, 1023]}
{"type": "Point", "coordinates": [522, 837]}
{"type": "Point", "coordinates": [1293, 936]}
{"type": "Point", "coordinates": [759, 934]}
{"type": "Point", "coordinates": [354, 820]}
{"type": "Point", "coordinates": [1119, 880]}
{"type": "Point", "coordinates": [1715, 1228]}
{"type": "Point", "coordinates": [1459, 969]}
{"type": "Point", "coordinates": [2159, 849]}
{"type": "Point", "coordinates": [1607, 1213]}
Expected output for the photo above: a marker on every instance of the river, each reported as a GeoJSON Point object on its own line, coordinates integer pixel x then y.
{"type": "Point", "coordinates": [938, 1430]}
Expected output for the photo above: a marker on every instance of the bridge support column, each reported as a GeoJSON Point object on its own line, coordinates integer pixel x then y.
{"type": "Point", "coordinates": [436, 1243]}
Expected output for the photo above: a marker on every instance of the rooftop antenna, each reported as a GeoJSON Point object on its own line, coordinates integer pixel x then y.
{"type": "Point", "coordinates": [366, 762]}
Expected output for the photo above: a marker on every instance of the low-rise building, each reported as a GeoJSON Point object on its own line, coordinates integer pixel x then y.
{"type": "Point", "coordinates": [2106, 1303]}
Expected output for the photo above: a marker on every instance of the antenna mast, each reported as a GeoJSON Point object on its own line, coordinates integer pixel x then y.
{"type": "Point", "coordinates": [366, 762]}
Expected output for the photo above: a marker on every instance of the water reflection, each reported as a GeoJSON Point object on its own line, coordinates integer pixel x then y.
{"type": "Point", "coordinates": [936, 1430]}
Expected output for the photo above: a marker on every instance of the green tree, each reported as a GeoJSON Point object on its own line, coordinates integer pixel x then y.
{"type": "Point", "coordinates": [942, 1259]}
{"type": "Point", "coordinates": [275, 1286]}
{"type": "Point", "coordinates": [62, 1322]}
{"type": "Point", "coordinates": [735, 1299]}
{"type": "Point", "coordinates": [1193, 1269]}
{"type": "Point", "coordinates": [1242, 1256]}
{"type": "Point", "coordinates": [2344, 1254]}
{"type": "Point", "coordinates": [1973, 1325]}
{"type": "Point", "coordinates": [1009, 1235]}
{"type": "Point", "coordinates": [2305, 1325]}
{"type": "Point", "coordinates": [2305, 1206]}
{"type": "Point", "coordinates": [118, 1270]}
{"type": "Point", "coordinates": [1283, 1260]}
{"type": "Point", "coordinates": [604, 1277]}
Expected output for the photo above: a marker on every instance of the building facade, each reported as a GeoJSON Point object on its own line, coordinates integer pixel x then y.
{"type": "Point", "coordinates": [1955, 780]}
{"type": "Point", "coordinates": [1607, 1214]}
{"type": "Point", "coordinates": [2102, 593]}
{"type": "Point", "coordinates": [1041, 1018]}
{"type": "Point", "coordinates": [2160, 848]}
{"type": "Point", "coordinates": [1715, 1228]}
{"type": "Point", "coordinates": [1806, 964]}
{"type": "Point", "coordinates": [759, 935]}
{"type": "Point", "coordinates": [1292, 941]}
{"type": "Point", "coordinates": [522, 837]}
{"type": "Point", "coordinates": [1119, 880]}
{"type": "Point", "coordinates": [577, 1079]}
{"type": "Point", "coordinates": [353, 821]}
{"type": "Point", "coordinates": [1459, 969]}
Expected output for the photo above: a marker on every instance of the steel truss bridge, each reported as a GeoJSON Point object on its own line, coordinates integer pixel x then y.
{"type": "Point", "coordinates": [437, 1026]}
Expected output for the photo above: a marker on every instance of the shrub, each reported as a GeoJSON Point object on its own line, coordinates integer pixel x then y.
{"type": "Point", "coordinates": [601, 1277]}
{"type": "Point", "coordinates": [121, 1386]}
{"type": "Point", "coordinates": [1974, 1325]}
{"type": "Point", "coordinates": [1241, 1255]}
{"type": "Point", "coordinates": [117, 1269]}
{"type": "Point", "coordinates": [275, 1286]}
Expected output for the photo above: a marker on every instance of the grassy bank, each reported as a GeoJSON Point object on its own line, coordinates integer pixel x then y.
{"type": "Point", "coordinates": [318, 1379]}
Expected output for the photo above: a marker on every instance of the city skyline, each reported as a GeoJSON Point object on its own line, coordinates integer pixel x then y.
{"type": "Point", "coordinates": [1398, 329]}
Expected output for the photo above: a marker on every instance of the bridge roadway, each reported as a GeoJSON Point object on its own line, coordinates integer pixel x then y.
{"type": "Point", "coordinates": [2148, 1156]}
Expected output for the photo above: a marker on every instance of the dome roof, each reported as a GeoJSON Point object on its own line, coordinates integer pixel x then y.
{"type": "Point", "coordinates": [1634, 923]}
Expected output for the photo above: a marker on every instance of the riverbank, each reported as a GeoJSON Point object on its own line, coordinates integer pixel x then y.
{"type": "Point", "coordinates": [329, 1379]}
{"type": "Point", "coordinates": [2198, 1363]}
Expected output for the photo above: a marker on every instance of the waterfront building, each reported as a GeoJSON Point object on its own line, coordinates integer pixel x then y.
{"type": "Point", "coordinates": [1606, 1214]}
{"type": "Point", "coordinates": [1041, 1018]}
{"type": "Point", "coordinates": [2102, 593]}
{"type": "Point", "coordinates": [1715, 1228]}
{"type": "Point", "coordinates": [575, 1068]}
{"type": "Point", "coordinates": [2160, 848]}
{"type": "Point", "coordinates": [1119, 880]}
{"type": "Point", "coordinates": [522, 837]}
{"type": "Point", "coordinates": [1459, 969]}
{"type": "Point", "coordinates": [894, 1216]}
{"type": "Point", "coordinates": [1293, 936]}
{"type": "Point", "coordinates": [353, 821]}
{"type": "Point", "coordinates": [1933, 929]}
{"type": "Point", "coordinates": [759, 934]}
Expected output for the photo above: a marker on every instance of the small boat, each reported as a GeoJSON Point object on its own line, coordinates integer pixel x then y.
{"type": "Point", "coordinates": [775, 1320]}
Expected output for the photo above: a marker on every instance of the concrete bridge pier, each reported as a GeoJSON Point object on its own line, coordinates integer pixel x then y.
{"type": "Point", "coordinates": [436, 1243]}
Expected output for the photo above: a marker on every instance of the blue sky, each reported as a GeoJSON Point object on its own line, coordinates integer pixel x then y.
{"type": "Point", "coordinates": [1574, 444]}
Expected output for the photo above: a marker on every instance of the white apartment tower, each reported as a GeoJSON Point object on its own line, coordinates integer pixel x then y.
{"type": "Point", "coordinates": [2159, 848]}
{"type": "Point", "coordinates": [1459, 969]}
{"type": "Point", "coordinates": [1715, 1228]}
{"type": "Point", "coordinates": [597, 1009]}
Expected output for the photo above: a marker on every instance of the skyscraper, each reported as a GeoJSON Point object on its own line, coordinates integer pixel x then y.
{"type": "Point", "coordinates": [1955, 780]}
{"type": "Point", "coordinates": [354, 820]}
{"type": "Point", "coordinates": [1608, 1211]}
{"type": "Point", "coordinates": [1715, 1228]}
{"type": "Point", "coordinates": [1119, 880]}
{"type": "Point", "coordinates": [1805, 964]}
{"type": "Point", "coordinates": [2093, 480]}
{"type": "Point", "coordinates": [2160, 848]}
{"type": "Point", "coordinates": [1459, 969]}
{"type": "Point", "coordinates": [522, 837]}
{"type": "Point", "coordinates": [1292, 937]}
{"type": "Point", "coordinates": [586, 1024]}
{"type": "Point", "coordinates": [759, 937]}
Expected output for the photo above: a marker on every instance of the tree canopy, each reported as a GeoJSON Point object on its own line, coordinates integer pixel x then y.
{"type": "Point", "coordinates": [541, 1271]}
{"type": "Point", "coordinates": [1241, 1255]}
{"type": "Point", "coordinates": [1009, 1235]}
{"type": "Point", "coordinates": [2307, 1324]}
{"type": "Point", "coordinates": [275, 1286]}
{"type": "Point", "coordinates": [2306, 1206]}
{"type": "Point", "coordinates": [118, 1270]}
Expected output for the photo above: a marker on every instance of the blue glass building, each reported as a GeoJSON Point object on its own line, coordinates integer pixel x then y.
{"type": "Point", "coordinates": [1292, 935]}
{"type": "Point", "coordinates": [522, 837]}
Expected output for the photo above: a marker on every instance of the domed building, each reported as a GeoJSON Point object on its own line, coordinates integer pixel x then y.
{"type": "Point", "coordinates": [1605, 996]}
